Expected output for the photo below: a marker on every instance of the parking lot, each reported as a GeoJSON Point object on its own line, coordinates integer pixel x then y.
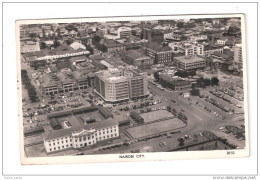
{"type": "Point", "coordinates": [155, 128]}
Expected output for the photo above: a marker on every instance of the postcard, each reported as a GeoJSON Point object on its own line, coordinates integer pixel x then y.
{"type": "Point", "coordinates": [143, 88]}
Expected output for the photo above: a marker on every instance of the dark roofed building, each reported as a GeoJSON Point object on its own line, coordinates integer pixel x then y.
{"type": "Point", "coordinates": [158, 53]}
{"type": "Point", "coordinates": [55, 124]}
{"type": "Point", "coordinates": [113, 46]}
{"type": "Point", "coordinates": [136, 117]}
{"type": "Point", "coordinates": [136, 58]}
{"type": "Point", "coordinates": [105, 113]}
{"type": "Point", "coordinates": [175, 83]}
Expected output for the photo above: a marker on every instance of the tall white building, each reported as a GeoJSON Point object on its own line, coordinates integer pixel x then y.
{"type": "Point", "coordinates": [238, 53]}
{"type": "Point", "coordinates": [123, 32]}
{"type": "Point", "coordinates": [120, 86]}
{"type": "Point", "coordinates": [191, 50]}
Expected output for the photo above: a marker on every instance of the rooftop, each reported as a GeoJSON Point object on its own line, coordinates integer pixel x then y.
{"type": "Point", "coordinates": [192, 59]}
{"type": "Point", "coordinates": [136, 55]}
{"type": "Point", "coordinates": [158, 48]}
{"type": "Point", "coordinates": [67, 132]}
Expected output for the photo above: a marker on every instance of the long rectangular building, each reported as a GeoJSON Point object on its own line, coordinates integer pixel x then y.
{"type": "Point", "coordinates": [190, 63]}
{"type": "Point", "coordinates": [80, 137]}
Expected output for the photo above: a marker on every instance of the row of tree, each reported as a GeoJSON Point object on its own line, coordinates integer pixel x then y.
{"type": "Point", "coordinates": [185, 73]}
{"type": "Point", "coordinates": [201, 82]}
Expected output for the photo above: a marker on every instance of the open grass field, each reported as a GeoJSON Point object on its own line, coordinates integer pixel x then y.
{"type": "Point", "coordinates": [155, 128]}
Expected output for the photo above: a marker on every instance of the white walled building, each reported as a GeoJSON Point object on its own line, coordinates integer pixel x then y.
{"type": "Point", "coordinates": [123, 32]}
{"type": "Point", "coordinates": [191, 50]}
{"type": "Point", "coordinates": [80, 137]}
{"type": "Point", "coordinates": [238, 53]}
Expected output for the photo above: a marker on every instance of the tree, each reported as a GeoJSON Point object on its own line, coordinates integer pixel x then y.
{"type": "Point", "coordinates": [195, 92]}
{"type": "Point", "coordinates": [33, 35]}
{"type": "Point", "coordinates": [207, 82]}
{"type": "Point", "coordinates": [56, 43]}
{"type": "Point", "coordinates": [90, 49]}
{"type": "Point", "coordinates": [71, 27]}
{"type": "Point", "coordinates": [192, 73]}
{"type": "Point", "coordinates": [43, 45]}
{"type": "Point", "coordinates": [156, 76]}
{"type": "Point", "coordinates": [69, 41]}
{"type": "Point", "coordinates": [180, 24]}
{"type": "Point", "coordinates": [101, 47]}
{"type": "Point", "coordinates": [96, 39]}
{"type": "Point", "coordinates": [214, 81]}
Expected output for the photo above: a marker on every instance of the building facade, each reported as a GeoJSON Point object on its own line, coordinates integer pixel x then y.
{"type": "Point", "coordinates": [160, 54]}
{"type": "Point", "coordinates": [114, 88]}
{"type": "Point", "coordinates": [238, 53]}
{"type": "Point", "coordinates": [190, 63]}
{"type": "Point", "coordinates": [136, 58]}
{"type": "Point", "coordinates": [80, 137]}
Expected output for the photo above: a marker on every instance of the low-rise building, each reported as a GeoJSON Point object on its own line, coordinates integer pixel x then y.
{"type": "Point", "coordinates": [81, 136]}
{"type": "Point", "coordinates": [113, 46]}
{"type": "Point", "coordinates": [159, 54]}
{"type": "Point", "coordinates": [211, 48]}
{"type": "Point", "coordinates": [189, 63]}
{"type": "Point", "coordinates": [175, 83]}
{"type": "Point", "coordinates": [136, 58]}
{"type": "Point", "coordinates": [30, 46]}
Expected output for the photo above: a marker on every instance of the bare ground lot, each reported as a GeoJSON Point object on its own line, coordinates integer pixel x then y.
{"type": "Point", "coordinates": [154, 128]}
{"type": "Point", "coordinates": [155, 115]}
{"type": "Point", "coordinates": [33, 139]}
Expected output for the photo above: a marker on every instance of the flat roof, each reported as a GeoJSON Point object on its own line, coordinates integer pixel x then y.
{"type": "Point", "coordinates": [67, 132]}
{"type": "Point", "coordinates": [192, 59]}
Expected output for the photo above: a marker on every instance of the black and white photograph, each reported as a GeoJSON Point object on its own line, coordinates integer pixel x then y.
{"type": "Point", "coordinates": [132, 88]}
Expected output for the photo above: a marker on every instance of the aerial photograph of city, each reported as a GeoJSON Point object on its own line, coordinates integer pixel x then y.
{"type": "Point", "coordinates": [123, 87]}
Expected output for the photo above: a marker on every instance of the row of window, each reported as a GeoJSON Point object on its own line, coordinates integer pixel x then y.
{"type": "Point", "coordinates": [81, 145]}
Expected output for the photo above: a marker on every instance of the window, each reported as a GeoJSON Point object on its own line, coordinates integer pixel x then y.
{"type": "Point", "coordinates": [67, 145]}
{"type": "Point", "coordinates": [70, 145]}
{"type": "Point", "coordinates": [54, 149]}
{"type": "Point", "coordinates": [50, 144]}
{"type": "Point", "coordinates": [62, 142]}
{"type": "Point", "coordinates": [62, 146]}
{"type": "Point", "coordinates": [53, 144]}
{"type": "Point", "coordinates": [66, 141]}
{"type": "Point", "coordinates": [59, 147]}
